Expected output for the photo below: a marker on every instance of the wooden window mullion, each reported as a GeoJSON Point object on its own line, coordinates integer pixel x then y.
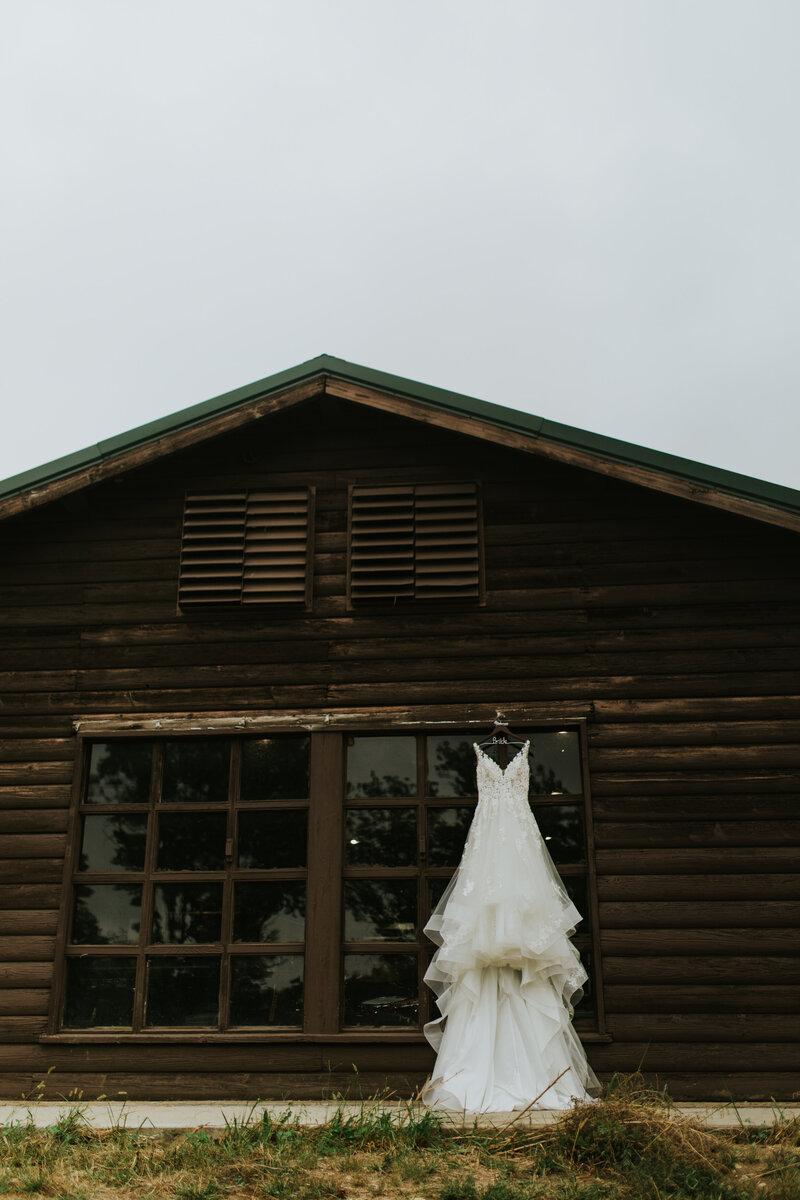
{"type": "Point", "coordinates": [324, 887]}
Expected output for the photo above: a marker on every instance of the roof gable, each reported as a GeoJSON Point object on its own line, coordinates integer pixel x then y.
{"type": "Point", "coordinates": [323, 375]}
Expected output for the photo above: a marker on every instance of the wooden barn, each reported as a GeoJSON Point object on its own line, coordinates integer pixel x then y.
{"type": "Point", "coordinates": [244, 654]}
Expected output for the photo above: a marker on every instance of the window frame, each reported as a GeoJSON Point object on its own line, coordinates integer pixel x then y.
{"type": "Point", "coordinates": [325, 872]}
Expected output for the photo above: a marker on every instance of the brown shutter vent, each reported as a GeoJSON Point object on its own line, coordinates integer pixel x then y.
{"type": "Point", "coordinates": [246, 548]}
{"type": "Point", "coordinates": [381, 543]}
{"type": "Point", "coordinates": [414, 543]}
{"type": "Point", "coordinates": [276, 547]}
{"type": "Point", "coordinates": [447, 553]}
{"type": "Point", "coordinates": [212, 548]}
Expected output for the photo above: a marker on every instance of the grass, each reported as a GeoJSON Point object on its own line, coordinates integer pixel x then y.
{"type": "Point", "coordinates": [629, 1146]}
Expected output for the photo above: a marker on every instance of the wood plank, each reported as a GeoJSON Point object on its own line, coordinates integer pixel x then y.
{"type": "Point", "coordinates": [700, 941]}
{"type": "Point", "coordinates": [689, 1027]}
{"type": "Point", "coordinates": [695, 861]}
{"type": "Point", "coordinates": [34, 820]}
{"type": "Point", "coordinates": [696, 969]}
{"type": "Point", "coordinates": [730, 806]}
{"type": "Point", "coordinates": [33, 845]}
{"type": "Point", "coordinates": [24, 1002]}
{"type": "Point", "coordinates": [702, 998]}
{"type": "Point", "coordinates": [21, 1029]}
{"type": "Point", "coordinates": [26, 949]}
{"type": "Point", "coordinates": [740, 887]}
{"type": "Point", "coordinates": [29, 895]}
{"type": "Point", "coordinates": [686, 834]}
{"type": "Point", "coordinates": [629, 734]}
{"type": "Point", "coordinates": [35, 796]}
{"type": "Point", "coordinates": [28, 922]}
{"type": "Point", "coordinates": [35, 774]}
{"type": "Point", "coordinates": [697, 914]}
{"type": "Point", "coordinates": [25, 974]}
{"type": "Point", "coordinates": [31, 870]}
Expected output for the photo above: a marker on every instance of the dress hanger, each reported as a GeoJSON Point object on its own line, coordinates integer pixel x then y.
{"type": "Point", "coordinates": [501, 735]}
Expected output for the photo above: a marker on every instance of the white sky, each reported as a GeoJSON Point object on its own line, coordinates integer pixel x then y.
{"type": "Point", "coordinates": [586, 209]}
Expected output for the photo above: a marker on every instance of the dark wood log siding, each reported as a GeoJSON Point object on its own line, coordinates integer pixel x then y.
{"type": "Point", "coordinates": [674, 628]}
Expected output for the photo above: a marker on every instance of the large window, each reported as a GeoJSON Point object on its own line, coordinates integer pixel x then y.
{"type": "Point", "coordinates": [256, 886]}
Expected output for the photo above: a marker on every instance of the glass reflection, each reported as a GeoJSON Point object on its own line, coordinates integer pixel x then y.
{"type": "Point", "coordinates": [119, 772]}
{"type": "Point", "coordinates": [451, 766]}
{"type": "Point", "coordinates": [187, 913]}
{"type": "Point", "coordinates": [275, 768]}
{"type": "Point", "coordinates": [380, 910]}
{"type": "Point", "coordinates": [191, 841]}
{"type": "Point", "coordinates": [196, 771]}
{"type": "Point", "coordinates": [561, 826]}
{"type": "Point", "coordinates": [269, 912]}
{"type": "Point", "coordinates": [447, 833]}
{"type": "Point", "coordinates": [270, 840]}
{"type": "Point", "coordinates": [556, 763]}
{"type": "Point", "coordinates": [113, 842]}
{"type": "Point", "coordinates": [380, 837]}
{"type": "Point", "coordinates": [267, 989]}
{"type": "Point", "coordinates": [380, 990]}
{"type": "Point", "coordinates": [107, 914]}
{"type": "Point", "coordinates": [182, 991]}
{"type": "Point", "coordinates": [381, 766]}
{"type": "Point", "coordinates": [99, 992]}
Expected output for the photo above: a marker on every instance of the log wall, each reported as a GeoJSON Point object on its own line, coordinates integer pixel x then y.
{"type": "Point", "coordinates": [676, 627]}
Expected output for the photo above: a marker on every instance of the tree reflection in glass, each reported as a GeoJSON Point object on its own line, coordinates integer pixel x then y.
{"type": "Point", "coordinates": [380, 910]}
{"type": "Point", "coordinates": [267, 989]}
{"type": "Point", "coordinates": [187, 913]}
{"type": "Point", "coordinates": [447, 833]}
{"type": "Point", "coordinates": [196, 771]}
{"type": "Point", "coordinates": [107, 914]}
{"type": "Point", "coordinates": [269, 912]}
{"type": "Point", "coordinates": [99, 992]}
{"type": "Point", "coordinates": [273, 839]}
{"type": "Point", "coordinates": [561, 826]}
{"type": "Point", "coordinates": [275, 768]}
{"type": "Point", "coordinates": [380, 837]}
{"type": "Point", "coordinates": [113, 842]}
{"type": "Point", "coordinates": [182, 991]}
{"type": "Point", "coordinates": [380, 990]}
{"type": "Point", "coordinates": [119, 772]}
{"type": "Point", "coordinates": [451, 766]}
{"type": "Point", "coordinates": [556, 763]}
{"type": "Point", "coordinates": [381, 766]}
{"type": "Point", "coordinates": [191, 841]}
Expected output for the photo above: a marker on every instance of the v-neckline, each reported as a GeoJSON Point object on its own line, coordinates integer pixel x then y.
{"type": "Point", "coordinates": [503, 770]}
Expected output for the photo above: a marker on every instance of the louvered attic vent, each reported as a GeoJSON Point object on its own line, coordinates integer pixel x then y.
{"type": "Point", "coordinates": [246, 547]}
{"type": "Point", "coordinates": [414, 542]}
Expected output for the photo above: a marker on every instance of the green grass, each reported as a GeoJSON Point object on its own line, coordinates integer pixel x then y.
{"type": "Point", "coordinates": [630, 1146]}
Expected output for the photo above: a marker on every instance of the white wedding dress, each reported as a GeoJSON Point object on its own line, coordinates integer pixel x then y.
{"type": "Point", "coordinates": [505, 973]}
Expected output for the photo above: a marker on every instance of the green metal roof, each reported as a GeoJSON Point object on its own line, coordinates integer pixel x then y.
{"type": "Point", "coordinates": [773, 494]}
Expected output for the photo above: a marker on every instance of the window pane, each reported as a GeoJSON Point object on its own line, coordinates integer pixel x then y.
{"type": "Point", "coordinates": [585, 1006]}
{"type": "Point", "coordinates": [451, 766]}
{"type": "Point", "coordinates": [273, 839]}
{"type": "Point", "coordinates": [556, 763]}
{"type": "Point", "coordinates": [436, 891]}
{"type": "Point", "coordinates": [380, 837]}
{"type": "Point", "coordinates": [113, 842]}
{"type": "Point", "coordinates": [267, 989]}
{"type": "Point", "coordinates": [269, 912]}
{"type": "Point", "coordinates": [380, 910]}
{"type": "Point", "coordinates": [381, 766]}
{"type": "Point", "coordinates": [447, 833]}
{"type": "Point", "coordinates": [275, 768]}
{"type": "Point", "coordinates": [196, 771]}
{"type": "Point", "coordinates": [119, 772]}
{"type": "Point", "coordinates": [191, 841]}
{"type": "Point", "coordinates": [561, 826]}
{"type": "Point", "coordinates": [187, 913]}
{"type": "Point", "coordinates": [107, 914]}
{"type": "Point", "coordinates": [576, 890]}
{"type": "Point", "coordinates": [380, 989]}
{"type": "Point", "coordinates": [99, 992]}
{"type": "Point", "coordinates": [182, 991]}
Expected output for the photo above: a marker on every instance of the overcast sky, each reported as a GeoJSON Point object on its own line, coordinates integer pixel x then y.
{"type": "Point", "coordinates": [587, 209]}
